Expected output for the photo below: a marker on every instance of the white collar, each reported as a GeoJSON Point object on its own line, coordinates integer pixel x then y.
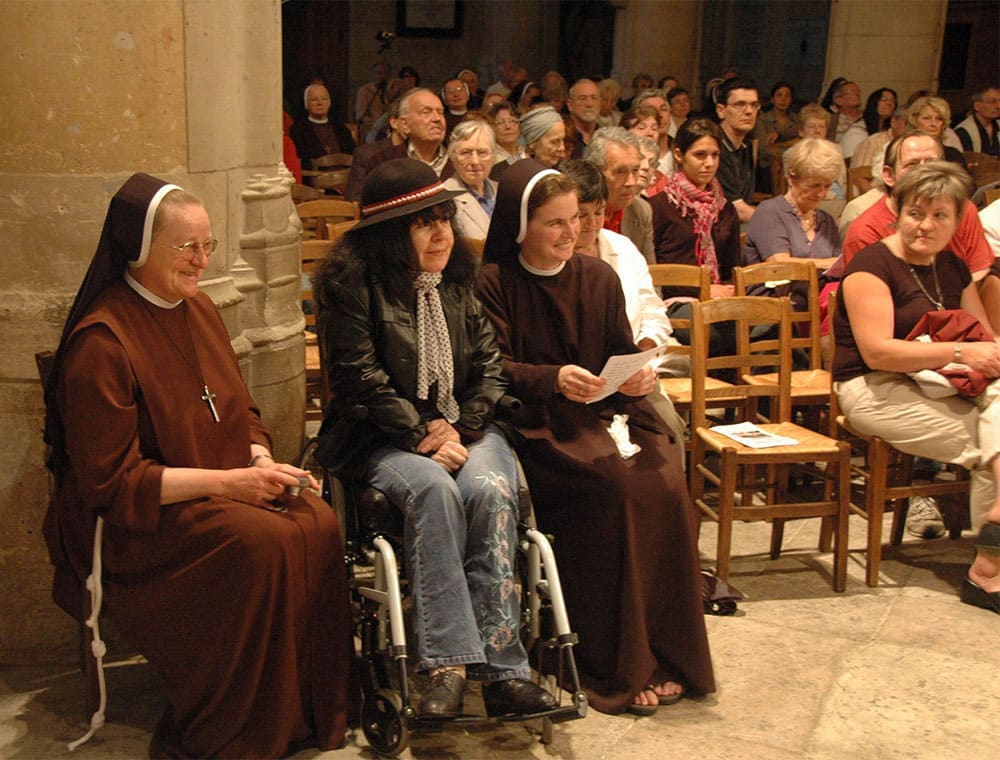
{"type": "Point", "coordinates": [149, 295]}
{"type": "Point", "coordinates": [319, 121]}
{"type": "Point", "coordinates": [541, 272]}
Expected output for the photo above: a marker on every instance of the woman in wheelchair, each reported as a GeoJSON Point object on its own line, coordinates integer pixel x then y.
{"type": "Point", "coordinates": [625, 528]}
{"type": "Point", "coordinates": [405, 339]}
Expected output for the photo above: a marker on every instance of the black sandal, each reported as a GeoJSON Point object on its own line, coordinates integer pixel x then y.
{"type": "Point", "coordinates": [971, 592]}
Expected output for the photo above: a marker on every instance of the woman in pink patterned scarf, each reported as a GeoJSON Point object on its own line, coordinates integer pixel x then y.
{"type": "Point", "coordinates": [693, 223]}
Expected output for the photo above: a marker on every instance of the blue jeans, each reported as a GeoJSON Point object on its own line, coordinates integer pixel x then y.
{"type": "Point", "coordinates": [460, 535]}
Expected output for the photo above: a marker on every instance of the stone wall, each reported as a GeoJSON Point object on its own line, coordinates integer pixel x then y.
{"type": "Point", "coordinates": [90, 92]}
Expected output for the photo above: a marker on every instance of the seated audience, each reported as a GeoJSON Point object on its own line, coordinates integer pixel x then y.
{"type": "Point", "coordinates": [736, 107]}
{"type": "Point", "coordinates": [506, 125]}
{"type": "Point", "coordinates": [657, 99]}
{"type": "Point", "coordinates": [679, 103]}
{"type": "Point", "coordinates": [364, 153]}
{"type": "Point", "coordinates": [886, 289]}
{"type": "Point", "coordinates": [371, 100]}
{"type": "Point", "coordinates": [543, 134]}
{"type": "Point", "coordinates": [470, 151]}
{"type": "Point", "coordinates": [229, 582]}
{"type": "Point", "coordinates": [584, 106]}
{"type": "Point", "coordinates": [792, 225]}
{"type": "Point", "coordinates": [780, 124]}
{"type": "Point", "coordinates": [318, 135]}
{"type": "Point", "coordinates": [455, 95]}
{"type": "Point", "coordinates": [421, 119]}
{"type": "Point", "coordinates": [640, 82]}
{"type": "Point", "coordinates": [476, 94]}
{"type": "Point", "coordinates": [651, 179]}
{"type": "Point", "coordinates": [555, 90]}
{"type": "Point", "coordinates": [428, 442]}
{"type": "Point", "coordinates": [902, 155]}
{"type": "Point", "coordinates": [980, 131]}
{"type": "Point", "coordinates": [848, 127]}
{"type": "Point", "coordinates": [559, 316]}
{"type": "Point", "coordinates": [872, 150]}
{"type": "Point", "coordinates": [609, 115]}
{"type": "Point", "coordinates": [693, 223]}
{"type": "Point", "coordinates": [932, 115]}
{"type": "Point", "coordinates": [615, 151]}
{"type": "Point", "coordinates": [525, 95]}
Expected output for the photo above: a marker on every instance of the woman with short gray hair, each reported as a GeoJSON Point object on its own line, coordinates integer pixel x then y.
{"type": "Point", "coordinates": [470, 150]}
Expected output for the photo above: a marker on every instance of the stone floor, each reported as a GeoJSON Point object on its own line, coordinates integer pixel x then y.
{"type": "Point", "coordinates": [901, 671]}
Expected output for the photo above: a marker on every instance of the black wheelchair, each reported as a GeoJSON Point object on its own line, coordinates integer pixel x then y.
{"type": "Point", "coordinates": [373, 531]}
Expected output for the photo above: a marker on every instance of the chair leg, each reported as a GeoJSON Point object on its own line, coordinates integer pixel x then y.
{"type": "Point", "coordinates": [878, 462]}
{"type": "Point", "coordinates": [843, 474]}
{"type": "Point", "coordinates": [901, 507]}
{"type": "Point", "coordinates": [826, 527]}
{"type": "Point", "coordinates": [727, 495]}
{"type": "Point", "coordinates": [777, 536]}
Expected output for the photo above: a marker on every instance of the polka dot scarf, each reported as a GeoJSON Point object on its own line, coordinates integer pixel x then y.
{"type": "Point", "coordinates": [434, 362]}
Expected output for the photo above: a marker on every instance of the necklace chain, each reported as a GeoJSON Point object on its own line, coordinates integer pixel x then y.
{"type": "Point", "coordinates": [939, 301]}
{"type": "Point", "coordinates": [807, 222]}
{"type": "Point", "coordinates": [207, 396]}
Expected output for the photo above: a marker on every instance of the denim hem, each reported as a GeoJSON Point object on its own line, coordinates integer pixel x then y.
{"type": "Point", "coordinates": [429, 663]}
{"type": "Point", "coordinates": [494, 676]}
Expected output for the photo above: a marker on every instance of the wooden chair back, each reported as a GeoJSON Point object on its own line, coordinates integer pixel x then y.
{"type": "Point", "coordinates": [476, 246]}
{"type": "Point", "coordinates": [856, 173]}
{"type": "Point", "coordinates": [745, 312]}
{"type": "Point", "coordinates": [335, 230]}
{"type": "Point", "coordinates": [806, 324]}
{"type": "Point", "coordinates": [683, 276]}
{"type": "Point", "coordinates": [314, 252]}
{"type": "Point", "coordinates": [983, 167]}
{"type": "Point", "coordinates": [992, 195]}
{"type": "Point", "coordinates": [302, 193]}
{"type": "Point", "coordinates": [315, 215]}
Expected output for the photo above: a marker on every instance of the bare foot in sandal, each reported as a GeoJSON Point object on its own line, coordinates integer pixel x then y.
{"type": "Point", "coordinates": [645, 702]}
{"type": "Point", "coordinates": [668, 692]}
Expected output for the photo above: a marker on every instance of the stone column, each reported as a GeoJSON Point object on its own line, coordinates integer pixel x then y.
{"type": "Point", "coordinates": [90, 92]}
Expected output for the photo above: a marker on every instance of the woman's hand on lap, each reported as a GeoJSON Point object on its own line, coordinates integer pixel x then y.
{"type": "Point", "coordinates": [983, 357]}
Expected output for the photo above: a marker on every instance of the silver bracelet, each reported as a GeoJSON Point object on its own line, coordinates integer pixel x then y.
{"type": "Point", "coordinates": [254, 460]}
{"type": "Point", "coordinates": [957, 355]}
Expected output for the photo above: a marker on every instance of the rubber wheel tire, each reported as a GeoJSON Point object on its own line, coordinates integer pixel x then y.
{"type": "Point", "coordinates": [383, 724]}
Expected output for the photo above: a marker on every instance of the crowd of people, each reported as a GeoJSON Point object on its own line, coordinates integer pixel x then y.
{"type": "Point", "coordinates": [571, 192]}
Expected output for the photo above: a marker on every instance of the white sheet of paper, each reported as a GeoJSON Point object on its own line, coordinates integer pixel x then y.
{"type": "Point", "coordinates": [620, 368]}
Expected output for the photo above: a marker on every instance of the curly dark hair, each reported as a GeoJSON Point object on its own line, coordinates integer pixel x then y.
{"type": "Point", "coordinates": [383, 253]}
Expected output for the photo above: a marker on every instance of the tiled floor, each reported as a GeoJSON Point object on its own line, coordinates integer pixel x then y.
{"type": "Point", "coordinates": [901, 671]}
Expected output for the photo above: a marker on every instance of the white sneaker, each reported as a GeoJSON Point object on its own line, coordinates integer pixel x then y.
{"type": "Point", "coordinates": [923, 518]}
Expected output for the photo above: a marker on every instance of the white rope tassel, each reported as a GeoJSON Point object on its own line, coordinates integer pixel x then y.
{"type": "Point", "coordinates": [97, 646]}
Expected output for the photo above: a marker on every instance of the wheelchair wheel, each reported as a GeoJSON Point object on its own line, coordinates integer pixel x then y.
{"type": "Point", "coordinates": [383, 723]}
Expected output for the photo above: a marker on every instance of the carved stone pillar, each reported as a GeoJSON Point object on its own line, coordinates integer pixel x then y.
{"type": "Point", "coordinates": [269, 319]}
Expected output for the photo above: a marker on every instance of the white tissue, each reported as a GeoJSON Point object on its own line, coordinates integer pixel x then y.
{"type": "Point", "coordinates": [619, 434]}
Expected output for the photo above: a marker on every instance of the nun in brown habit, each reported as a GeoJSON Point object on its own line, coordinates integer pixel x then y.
{"type": "Point", "coordinates": [625, 529]}
{"type": "Point", "coordinates": [232, 589]}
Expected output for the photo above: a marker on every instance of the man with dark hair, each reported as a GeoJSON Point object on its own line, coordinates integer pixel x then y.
{"type": "Point", "coordinates": [980, 132]}
{"type": "Point", "coordinates": [736, 106]}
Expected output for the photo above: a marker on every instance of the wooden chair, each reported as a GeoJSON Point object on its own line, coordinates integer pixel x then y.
{"type": "Point", "coordinates": [740, 467]}
{"type": "Point", "coordinates": [335, 230]}
{"type": "Point", "coordinates": [856, 173]}
{"type": "Point", "coordinates": [476, 245]}
{"type": "Point", "coordinates": [887, 476]}
{"type": "Point", "coordinates": [314, 252]}
{"type": "Point", "coordinates": [330, 172]}
{"type": "Point", "coordinates": [302, 193]}
{"type": "Point", "coordinates": [992, 195]}
{"type": "Point", "coordinates": [809, 387]}
{"type": "Point", "coordinates": [315, 215]}
{"type": "Point", "coordinates": [92, 646]}
{"type": "Point", "coordinates": [699, 278]}
{"type": "Point", "coordinates": [983, 168]}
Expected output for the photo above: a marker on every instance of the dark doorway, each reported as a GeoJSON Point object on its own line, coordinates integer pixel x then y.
{"type": "Point", "coordinates": [768, 41]}
{"type": "Point", "coordinates": [314, 43]}
{"type": "Point", "coordinates": [586, 39]}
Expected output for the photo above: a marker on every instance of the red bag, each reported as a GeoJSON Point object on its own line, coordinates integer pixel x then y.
{"type": "Point", "coordinates": [955, 325]}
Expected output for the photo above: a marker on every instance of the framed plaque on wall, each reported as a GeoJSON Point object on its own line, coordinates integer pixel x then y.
{"type": "Point", "coordinates": [429, 18]}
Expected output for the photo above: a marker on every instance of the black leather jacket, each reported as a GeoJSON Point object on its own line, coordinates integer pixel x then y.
{"type": "Point", "coordinates": [369, 344]}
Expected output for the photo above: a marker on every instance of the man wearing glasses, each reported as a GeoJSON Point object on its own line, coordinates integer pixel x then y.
{"type": "Point", "coordinates": [737, 105]}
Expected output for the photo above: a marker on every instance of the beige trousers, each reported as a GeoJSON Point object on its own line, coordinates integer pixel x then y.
{"type": "Point", "coordinates": [953, 429]}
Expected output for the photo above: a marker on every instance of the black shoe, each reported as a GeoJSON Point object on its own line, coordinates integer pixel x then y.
{"type": "Point", "coordinates": [516, 696]}
{"type": "Point", "coordinates": [444, 697]}
{"type": "Point", "coordinates": [974, 594]}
